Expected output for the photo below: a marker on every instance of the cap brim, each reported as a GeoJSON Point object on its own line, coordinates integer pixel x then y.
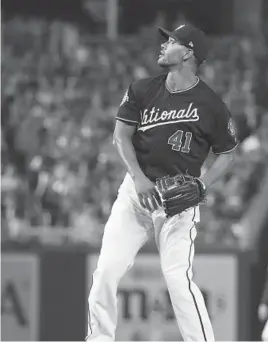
{"type": "Point", "coordinates": [166, 34]}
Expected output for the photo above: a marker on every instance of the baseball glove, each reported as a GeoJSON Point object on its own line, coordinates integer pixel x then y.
{"type": "Point", "coordinates": [180, 193]}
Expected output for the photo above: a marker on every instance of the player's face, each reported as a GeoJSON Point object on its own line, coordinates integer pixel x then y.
{"type": "Point", "coordinates": [172, 53]}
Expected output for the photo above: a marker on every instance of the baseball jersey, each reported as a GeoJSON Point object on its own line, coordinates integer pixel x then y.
{"type": "Point", "coordinates": [175, 129]}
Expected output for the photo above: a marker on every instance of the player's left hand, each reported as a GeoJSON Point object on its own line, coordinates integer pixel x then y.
{"type": "Point", "coordinates": [180, 193]}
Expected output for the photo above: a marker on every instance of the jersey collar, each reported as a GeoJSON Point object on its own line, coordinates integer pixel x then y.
{"type": "Point", "coordinates": [182, 90]}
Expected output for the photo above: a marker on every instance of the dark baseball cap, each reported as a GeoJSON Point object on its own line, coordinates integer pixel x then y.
{"type": "Point", "coordinates": [191, 37]}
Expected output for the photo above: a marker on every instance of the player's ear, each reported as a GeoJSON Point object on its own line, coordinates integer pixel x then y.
{"type": "Point", "coordinates": [188, 54]}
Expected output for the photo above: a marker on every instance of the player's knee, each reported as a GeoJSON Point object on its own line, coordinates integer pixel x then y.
{"type": "Point", "coordinates": [105, 277]}
{"type": "Point", "coordinates": [112, 269]}
{"type": "Point", "coordinates": [171, 271]}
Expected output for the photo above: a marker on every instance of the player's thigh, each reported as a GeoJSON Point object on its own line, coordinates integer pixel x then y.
{"type": "Point", "coordinates": [125, 232]}
{"type": "Point", "coordinates": [176, 240]}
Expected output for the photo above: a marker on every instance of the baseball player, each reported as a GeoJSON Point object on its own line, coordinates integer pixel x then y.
{"type": "Point", "coordinates": [164, 130]}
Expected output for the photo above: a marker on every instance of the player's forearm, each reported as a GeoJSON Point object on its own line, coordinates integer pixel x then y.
{"type": "Point", "coordinates": [127, 154]}
{"type": "Point", "coordinates": [219, 168]}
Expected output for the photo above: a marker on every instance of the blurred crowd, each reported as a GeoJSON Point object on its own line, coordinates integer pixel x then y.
{"type": "Point", "coordinates": [59, 167]}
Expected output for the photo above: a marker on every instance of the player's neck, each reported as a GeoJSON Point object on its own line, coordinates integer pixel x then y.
{"type": "Point", "coordinates": [180, 79]}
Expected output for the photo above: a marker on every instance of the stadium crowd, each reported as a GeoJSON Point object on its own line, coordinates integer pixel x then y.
{"type": "Point", "coordinates": [59, 167]}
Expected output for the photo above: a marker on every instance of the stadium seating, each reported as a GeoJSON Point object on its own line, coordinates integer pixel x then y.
{"type": "Point", "coordinates": [59, 167]}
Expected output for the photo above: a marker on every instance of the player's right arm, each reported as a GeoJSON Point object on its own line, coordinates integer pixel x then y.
{"type": "Point", "coordinates": [127, 120]}
{"type": "Point", "coordinates": [122, 139]}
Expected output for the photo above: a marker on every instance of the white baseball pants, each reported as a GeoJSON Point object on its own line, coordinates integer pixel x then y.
{"type": "Point", "coordinates": [126, 231]}
{"type": "Point", "coordinates": [264, 335]}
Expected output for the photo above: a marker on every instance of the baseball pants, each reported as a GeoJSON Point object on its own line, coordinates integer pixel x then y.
{"type": "Point", "coordinates": [127, 230]}
{"type": "Point", "coordinates": [264, 335]}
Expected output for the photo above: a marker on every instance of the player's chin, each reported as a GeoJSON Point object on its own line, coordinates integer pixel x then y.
{"type": "Point", "coordinates": [162, 62]}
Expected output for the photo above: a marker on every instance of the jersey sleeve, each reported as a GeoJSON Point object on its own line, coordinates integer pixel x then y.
{"type": "Point", "coordinates": [223, 138]}
{"type": "Point", "coordinates": [129, 109]}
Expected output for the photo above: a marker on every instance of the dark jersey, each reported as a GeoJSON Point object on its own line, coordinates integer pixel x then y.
{"type": "Point", "coordinates": [175, 130]}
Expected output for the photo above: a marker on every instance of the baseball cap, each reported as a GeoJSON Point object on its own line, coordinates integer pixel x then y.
{"type": "Point", "coordinates": [191, 37]}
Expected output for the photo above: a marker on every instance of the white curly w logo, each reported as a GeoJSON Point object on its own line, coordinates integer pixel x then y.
{"type": "Point", "coordinates": [125, 98]}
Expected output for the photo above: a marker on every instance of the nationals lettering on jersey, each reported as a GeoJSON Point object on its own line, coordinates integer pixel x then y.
{"type": "Point", "coordinates": [175, 130]}
{"type": "Point", "coordinates": [156, 117]}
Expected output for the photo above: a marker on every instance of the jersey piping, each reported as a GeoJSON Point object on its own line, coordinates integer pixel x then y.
{"type": "Point", "coordinates": [183, 90]}
{"type": "Point", "coordinates": [126, 120]}
{"type": "Point", "coordinates": [228, 151]}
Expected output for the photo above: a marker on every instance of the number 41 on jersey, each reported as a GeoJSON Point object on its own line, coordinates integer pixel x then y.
{"type": "Point", "coordinates": [176, 141]}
